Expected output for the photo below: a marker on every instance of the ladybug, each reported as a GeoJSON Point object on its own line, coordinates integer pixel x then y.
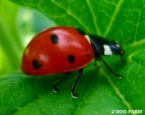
{"type": "Point", "coordinates": [64, 50]}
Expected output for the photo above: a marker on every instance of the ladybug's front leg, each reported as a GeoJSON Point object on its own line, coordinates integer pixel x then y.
{"type": "Point", "coordinates": [111, 70]}
{"type": "Point", "coordinates": [74, 86]}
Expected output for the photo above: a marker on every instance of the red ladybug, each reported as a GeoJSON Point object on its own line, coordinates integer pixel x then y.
{"type": "Point", "coordinates": [64, 50]}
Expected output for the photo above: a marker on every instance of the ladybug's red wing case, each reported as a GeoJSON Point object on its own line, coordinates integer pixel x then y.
{"type": "Point", "coordinates": [57, 50]}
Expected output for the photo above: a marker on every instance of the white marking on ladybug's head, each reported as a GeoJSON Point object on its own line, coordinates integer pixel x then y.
{"type": "Point", "coordinates": [87, 37]}
{"type": "Point", "coordinates": [107, 50]}
{"type": "Point", "coordinates": [117, 45]}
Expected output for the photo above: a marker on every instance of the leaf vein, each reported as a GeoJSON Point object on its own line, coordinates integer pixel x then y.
{"type": "Point", "coordinates": [70, 14]}
{"type": "Point", "coordinates": [117, 91]}
{"type": "Point", "coordinates": [93, 17]}
{"type": "Point", "coordinates": [136, 44]}
{"type": "Point", "coordinates": [137, 24]}
{"type": "Point", "coordinates": [113, 17]}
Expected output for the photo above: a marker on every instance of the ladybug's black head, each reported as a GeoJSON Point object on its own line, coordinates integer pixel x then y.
{"type": "Point", "coordinates": [105, 47]}
{"type": "Point", "coordinates": [113, 47]}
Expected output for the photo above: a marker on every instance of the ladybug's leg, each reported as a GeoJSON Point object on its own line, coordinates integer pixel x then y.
{"type": "Point", "coordinates": [111, 70]}
{"type": "Point", "coordinates": [55, 86]}
{"type": "Point", "coordinates": [74, 86]}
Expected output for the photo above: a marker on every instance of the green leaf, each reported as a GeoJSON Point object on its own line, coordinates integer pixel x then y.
{"type": "Point", "coordinates": [20, 94]}
{"type": "Point", "coordinates": [100, 92]}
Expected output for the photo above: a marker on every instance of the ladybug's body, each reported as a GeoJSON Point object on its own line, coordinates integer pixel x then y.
{"type": "Point", "coordinates": [63, 50]}
{"type": "Point", "coordinates": [57, 50]}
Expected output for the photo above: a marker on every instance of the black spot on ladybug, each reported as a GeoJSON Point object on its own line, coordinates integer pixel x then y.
{"type": "Point", "coordinates": [71, 58]}
{"type": "Point", "coordinates": [36, 64]}
{"type": "Point", "coordinates": [81, 31]}
{"type": "Point", "coordinates": [54, 38]}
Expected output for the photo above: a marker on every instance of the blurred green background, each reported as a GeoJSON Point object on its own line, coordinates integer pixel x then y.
{"type": "Point", "coordinates": [18, 25]}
